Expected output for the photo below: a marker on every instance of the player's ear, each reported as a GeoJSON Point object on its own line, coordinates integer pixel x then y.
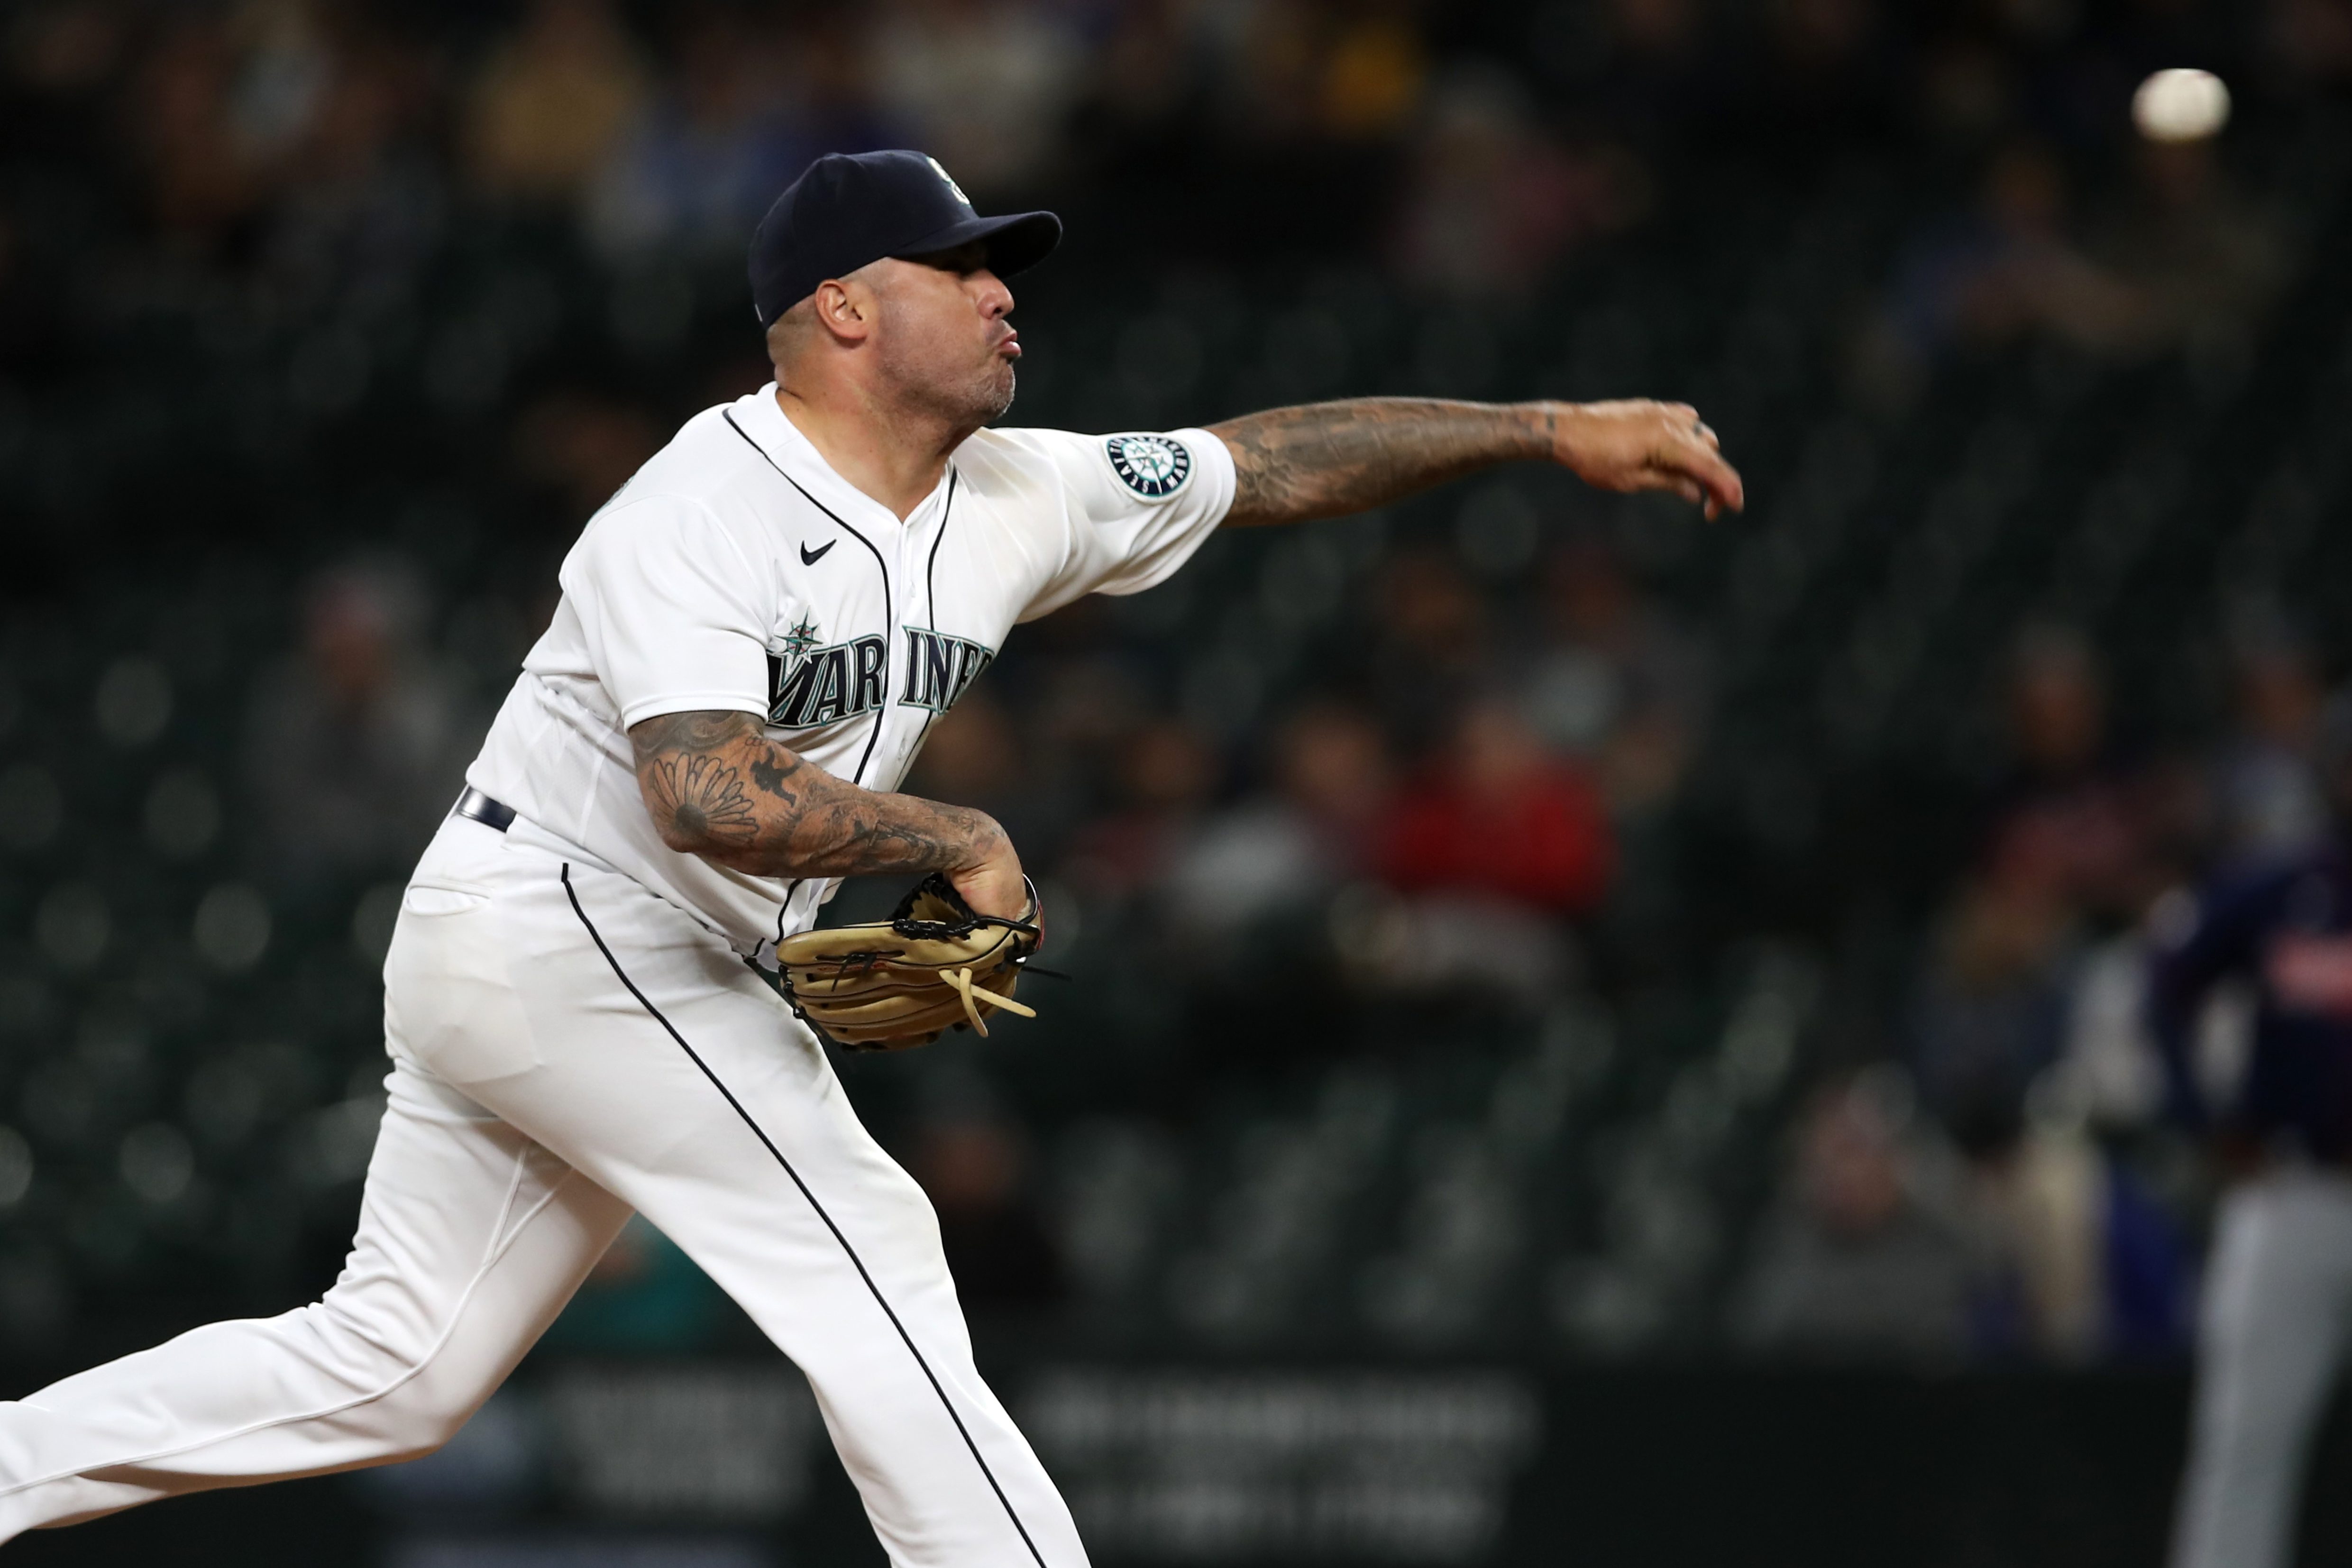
{"type": "Point", "coordinates": [844, 309]}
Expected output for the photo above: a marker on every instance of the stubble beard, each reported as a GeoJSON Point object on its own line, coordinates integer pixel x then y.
{"type": "Point", "coordinates": [999, 399]}
{"type": "Point", "coordinates": [981, 401]}
{"type": "Point", "coordinates": [967, 401]}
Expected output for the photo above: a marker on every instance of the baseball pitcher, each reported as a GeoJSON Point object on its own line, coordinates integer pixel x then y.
{"type": "Point", "coordinates": [602, 995]}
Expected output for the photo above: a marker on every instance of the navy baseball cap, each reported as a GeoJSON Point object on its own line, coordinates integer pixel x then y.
{"type": "Point", "coordinates": [847, 209]}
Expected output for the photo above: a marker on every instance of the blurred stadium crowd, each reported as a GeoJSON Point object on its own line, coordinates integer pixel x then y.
{"type": "Point", "coordinates": [1522, 920]}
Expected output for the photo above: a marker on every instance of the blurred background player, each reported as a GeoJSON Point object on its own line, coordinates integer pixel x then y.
{"type": "Point", "coordinates": [2277, 1315]}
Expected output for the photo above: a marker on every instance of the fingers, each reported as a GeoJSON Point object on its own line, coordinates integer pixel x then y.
{"type": "Point", "coordinates": [1682, 416]}
{"type": "Point", "coordinates": [1724, 489]}
{"type": "Point", "coordinates": [1645, 445]}
{"type": "Point", "coordinates": [1692, 458]}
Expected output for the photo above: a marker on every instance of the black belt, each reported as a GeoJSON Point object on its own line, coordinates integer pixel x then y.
{"type": "Point", "coordinates": [476, 806]}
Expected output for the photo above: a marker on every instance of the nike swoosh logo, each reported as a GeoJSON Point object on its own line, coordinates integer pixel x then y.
{"type": "Point", "coordinates": [811, 557]}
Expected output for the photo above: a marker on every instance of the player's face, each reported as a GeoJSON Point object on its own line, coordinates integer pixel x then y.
{"type": "Point", "coordinates": [945, 341]}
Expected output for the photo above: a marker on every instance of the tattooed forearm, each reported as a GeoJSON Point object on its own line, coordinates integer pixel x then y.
{"type": "Point", "coordinates": [770, 773]}
{"type": "Point", "coordinates": [700, 797]}
{"type": "Point", "coordinates": [1323, 459]}
{"type": "Point", "coordinates": [1291, 465]}
{"type": "Point", "coordinates": [718, 787]}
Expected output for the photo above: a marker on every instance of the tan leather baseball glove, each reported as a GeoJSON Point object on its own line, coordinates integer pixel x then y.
{"type": "Point", "coordinates": [934, 965]}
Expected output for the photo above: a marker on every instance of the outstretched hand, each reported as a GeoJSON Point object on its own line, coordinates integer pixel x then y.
{"type": "Point", "coordinates": [1640, 445]}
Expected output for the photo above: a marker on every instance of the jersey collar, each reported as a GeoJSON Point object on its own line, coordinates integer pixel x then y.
{"type": "Point", "coordinates": [764, 419]}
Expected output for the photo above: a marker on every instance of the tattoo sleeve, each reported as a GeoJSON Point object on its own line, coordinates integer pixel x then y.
{"type": "Point", "coordinates": [1323, 459]}
{"type": "Point", "coordinates": [718, 787]}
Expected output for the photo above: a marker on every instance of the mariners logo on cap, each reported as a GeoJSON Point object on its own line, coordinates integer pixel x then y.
{"type": "Point", "coordinates": [942, 174]}
{"type": "Point", "coordinates": [1153, 466]}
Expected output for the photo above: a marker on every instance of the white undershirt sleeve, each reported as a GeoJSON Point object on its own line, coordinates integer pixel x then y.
{"type": "Point", "coordinates": [665, 601]}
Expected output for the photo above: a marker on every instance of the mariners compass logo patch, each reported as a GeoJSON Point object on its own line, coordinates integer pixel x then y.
{"type": "Point", "coordinates": [1153, 466]}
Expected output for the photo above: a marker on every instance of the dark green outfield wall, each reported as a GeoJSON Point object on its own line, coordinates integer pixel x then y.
{"type": "Point", "coordinates": [1257, 1465]}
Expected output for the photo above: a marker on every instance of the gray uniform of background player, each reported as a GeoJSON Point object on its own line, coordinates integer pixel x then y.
{"type": "Point", "coordinates": [2277, 1313]}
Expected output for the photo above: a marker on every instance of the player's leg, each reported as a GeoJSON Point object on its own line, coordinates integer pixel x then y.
{"type": "Point", "coordinates": [471, 1238]}
{"type": "Point", "coordinates": [684, 1086]}
{"type": "Point", "coordinates": [2269, 1344]}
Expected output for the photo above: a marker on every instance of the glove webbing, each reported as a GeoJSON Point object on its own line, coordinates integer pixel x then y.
{"type": "Point", "coordinates": [960, 979]}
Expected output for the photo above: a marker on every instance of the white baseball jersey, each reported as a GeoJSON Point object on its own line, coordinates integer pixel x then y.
{"type": "Point", "coordinates": [737, 571]}
{"type": "Point", "coordinates": [573, 1036]}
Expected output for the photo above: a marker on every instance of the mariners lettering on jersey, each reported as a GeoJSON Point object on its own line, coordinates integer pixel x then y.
{"type": "Point", "coordinates": [940, 668]}
{"type": "Point", "coordinates": [1153, 466]}
{"type": "Point", "coordinates": [810, 685]}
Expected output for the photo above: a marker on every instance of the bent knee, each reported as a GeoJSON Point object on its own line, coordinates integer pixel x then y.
{"type": "Point", "coordinates": [402, 1379]}
{"type": "Point", "coordinates": [366, 1350]}
{"type": "Point", "coordinates": [418, 1419]}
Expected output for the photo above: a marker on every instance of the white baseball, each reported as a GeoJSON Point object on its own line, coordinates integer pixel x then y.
{"type": "Point", "coordinates": [2180, 105]}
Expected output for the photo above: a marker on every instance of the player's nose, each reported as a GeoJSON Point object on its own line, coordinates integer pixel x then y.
{"type": "Point", "coordinates": [995, 298]}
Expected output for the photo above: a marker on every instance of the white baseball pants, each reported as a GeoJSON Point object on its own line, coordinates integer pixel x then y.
{"type": "Point", "coordinates": [2276, 1319]}
{"type": "Point", "coordinates": [567, 1048]}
